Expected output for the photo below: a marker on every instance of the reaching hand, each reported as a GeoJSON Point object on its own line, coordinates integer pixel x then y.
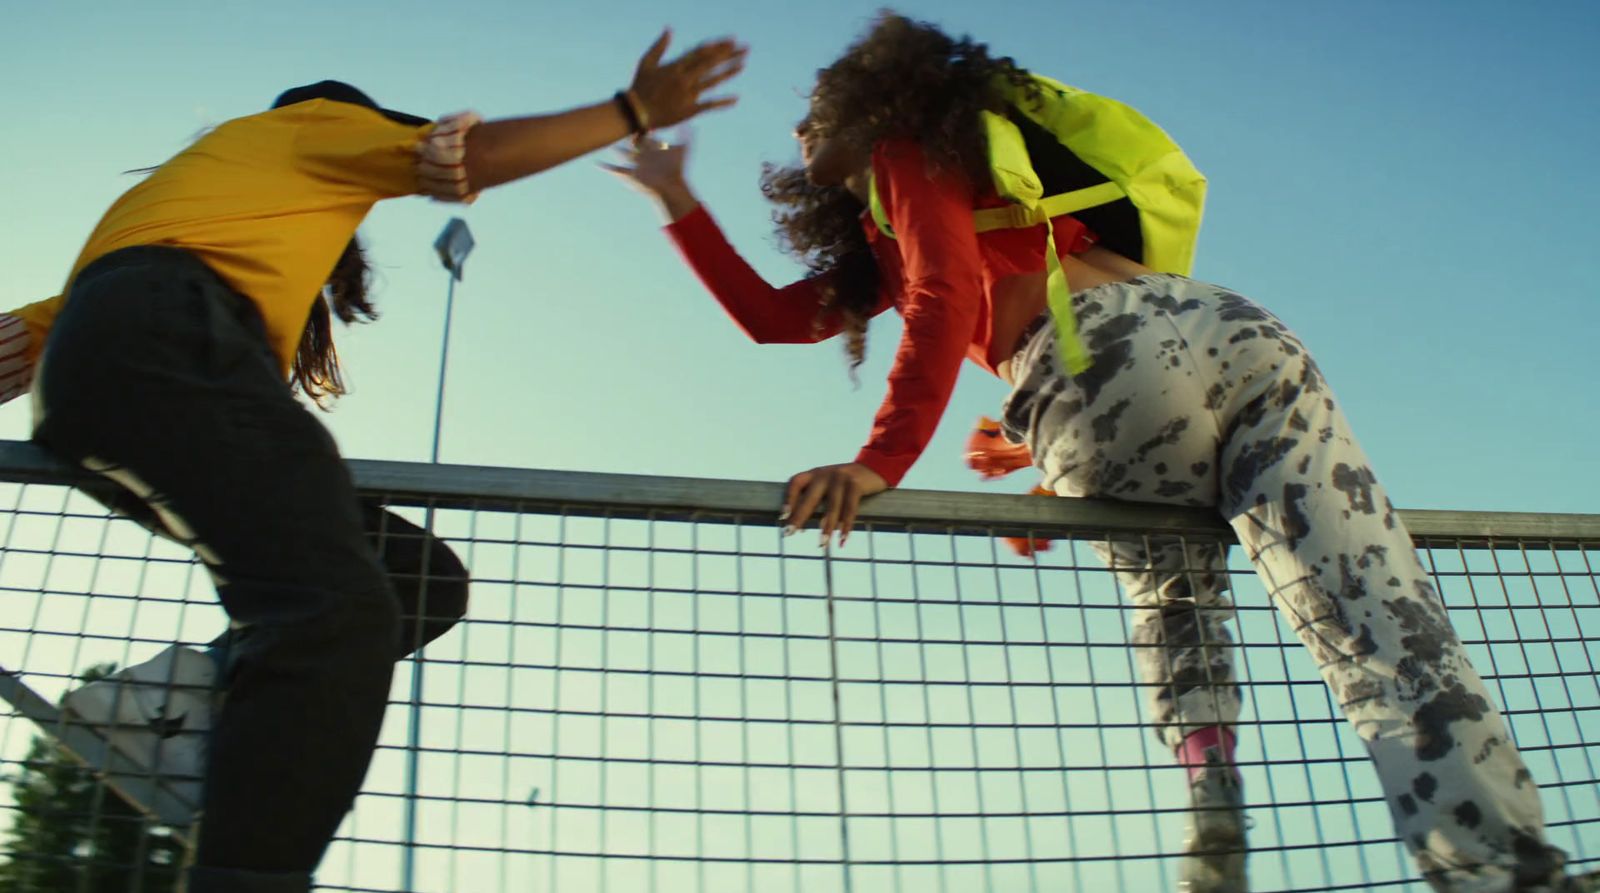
{"type": "Point", "coordinates": [656, 169]}
{"type": "Point", "coordinates": [674, 92]}
{"type": "Point", "coordinates": [652, 166]}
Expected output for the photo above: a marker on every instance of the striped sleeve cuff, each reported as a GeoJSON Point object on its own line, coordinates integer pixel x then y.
{"type": "Point", "coordinates": [16, 366]}
{"type": "Point", "coordinates": [441, 159]}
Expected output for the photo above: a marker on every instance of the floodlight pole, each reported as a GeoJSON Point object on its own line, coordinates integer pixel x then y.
{"type": "Point", "coordinates": [453, 245]}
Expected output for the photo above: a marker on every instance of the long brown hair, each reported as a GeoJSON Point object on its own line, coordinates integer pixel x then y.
{"type": "Point", "coordinates": [902, 78]}
{"type": "Point", "coordinates": [316, 362]}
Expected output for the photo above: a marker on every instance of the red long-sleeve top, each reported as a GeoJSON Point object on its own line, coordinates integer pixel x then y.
{"type": "Point", "coordinates": [939, 272]}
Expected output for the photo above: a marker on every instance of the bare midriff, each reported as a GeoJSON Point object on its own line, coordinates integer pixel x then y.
{"type": "Point", "coordinates": [1018, 300]}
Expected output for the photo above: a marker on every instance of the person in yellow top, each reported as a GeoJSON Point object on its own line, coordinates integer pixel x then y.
{"type": "Point", "coordinates": [165, 364]}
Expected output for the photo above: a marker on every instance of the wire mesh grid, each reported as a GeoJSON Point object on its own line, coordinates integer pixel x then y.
{"type": "Point", "coordinates": [680, 700]}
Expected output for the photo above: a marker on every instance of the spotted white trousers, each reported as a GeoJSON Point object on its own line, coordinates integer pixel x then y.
{"type": "Point", "coordinates": [1197, 396]}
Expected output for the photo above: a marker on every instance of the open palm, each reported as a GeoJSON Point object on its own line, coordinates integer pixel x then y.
{"type": "Point", "coordinates": [653, 167]}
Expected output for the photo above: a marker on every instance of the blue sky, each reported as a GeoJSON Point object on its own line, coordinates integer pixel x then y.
{"type": "Point", "coordinates": [1405, 183]}
{"type": "Point", "coordinates": [1409, 185]}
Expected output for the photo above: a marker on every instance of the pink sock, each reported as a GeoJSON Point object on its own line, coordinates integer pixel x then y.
{"type": "Point", "coordinates": [1192, 752]}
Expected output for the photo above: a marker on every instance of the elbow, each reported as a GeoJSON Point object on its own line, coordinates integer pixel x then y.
{"type": "Point", "coordinates": [808, 336]}
{"type": "Point", "coordinates": [763, 332]}
{"type": "Point", "coordinates": [763, 335]}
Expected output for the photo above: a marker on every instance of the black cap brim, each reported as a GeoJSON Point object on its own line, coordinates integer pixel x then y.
{"type": "Point", "coordinates": [339, 91]}
{"type": "Point", "coordinates": [403, 118]}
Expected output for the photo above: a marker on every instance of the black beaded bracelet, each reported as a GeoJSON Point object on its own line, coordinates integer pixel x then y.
{"type": "Point", "coordinates": [630, 111]}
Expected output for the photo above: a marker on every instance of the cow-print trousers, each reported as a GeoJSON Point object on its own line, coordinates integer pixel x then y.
{"type": "Point", "coordinates": [1197, 396]}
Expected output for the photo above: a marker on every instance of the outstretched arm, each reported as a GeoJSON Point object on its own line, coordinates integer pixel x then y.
{"type": "Point", "coordinates": [768, 314]}
{"type": "Point", "coordinates": [661, 95]}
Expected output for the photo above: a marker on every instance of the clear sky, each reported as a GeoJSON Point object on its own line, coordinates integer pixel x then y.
{"type": "Point", "coordinates": [1408, 184]}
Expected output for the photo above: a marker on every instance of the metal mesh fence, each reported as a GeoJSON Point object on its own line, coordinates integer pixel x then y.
{"type": "Point", "coordinates": [653, 689]}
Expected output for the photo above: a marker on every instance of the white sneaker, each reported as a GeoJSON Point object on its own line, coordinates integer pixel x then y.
{"type": "Point", "coordinates": [1216, 841]}
{"type": "Point", "coordinates": [157, 714]}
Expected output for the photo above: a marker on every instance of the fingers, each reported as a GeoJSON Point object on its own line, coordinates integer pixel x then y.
{"type": "Point", "coordinates": [714, 103]}
{"type": "Point", "coordinates": [640, 154]}
{"type": "Point", "coordinates": [843, 502]}
{"type": "Point", "coordinates": [652, 57]}
{"type": "Point", "coordinates": [838, 487]}
{"type": "Point", "coordinates": [675, 91]}
{"type": "Point", "coordinates": [791, 495]}
{"type": "Point", "coordinates": [720, 74]}
{"type": "Point", "coordinates": [810, 500]}
{"type": "Point", "coordinates": [805, 491]}
{"type": "Point", "coordinates": [711, 64]}
{"type": "Point", "coordinates": [832, 490]}
{"type": "Point", "coordinates": [627, 166]}
{"type": "Point", "coordinates": [708, 55]}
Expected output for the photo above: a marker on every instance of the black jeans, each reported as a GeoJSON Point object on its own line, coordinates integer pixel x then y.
{"type": "Point", "coordinates": [429, 580]}
{"type": "Point", "coordinates": [158, 375]}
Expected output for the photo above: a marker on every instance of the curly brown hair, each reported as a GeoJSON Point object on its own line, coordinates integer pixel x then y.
{"type": "Point", "coordinates": [903, 78]}
{"type": "Point", "coordinates": [316, 362]}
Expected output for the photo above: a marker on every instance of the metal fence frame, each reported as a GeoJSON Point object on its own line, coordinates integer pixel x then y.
{"type": "Point", "coordinates": [622, 495]}
{"type": "Point", "coordinates": [442, 487]}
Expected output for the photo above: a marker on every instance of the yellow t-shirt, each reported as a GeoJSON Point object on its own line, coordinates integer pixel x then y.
{"type": "Point", "coordinates": [268, 202]}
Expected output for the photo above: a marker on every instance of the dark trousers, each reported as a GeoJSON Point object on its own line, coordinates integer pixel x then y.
{"type": "Point", "coordinates": [158, 376]}
{"type": "Point", "coordinates": [429, 580]}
